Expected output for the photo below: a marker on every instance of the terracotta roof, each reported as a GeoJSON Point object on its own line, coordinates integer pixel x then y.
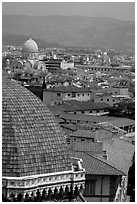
{"type": "Point", "coordinates": [95, 166]}
{"type": "Point", "coordinates": [120, 122]}
{"type": "Point", "coordinates": [32, 141]}
{"type": "Point", "coordinates": [69, 126]}
{"type": "Point", "coordinates": [115, 121]}
{"type": "Point", "coordinates": [69, 89]}
{"type": "Point", "coordinates": [120, 153]}
{"type": "Point", "coordinates": [90, 118]}
{"type": "Point", "coordinates": [83, 134]}
{"type": "Point", "coordinates": [74, 105]}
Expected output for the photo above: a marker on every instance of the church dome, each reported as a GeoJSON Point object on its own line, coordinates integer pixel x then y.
{"type": "Point", "coordinates": [32, 141]}
{"type": "Point", "coordinates": [30, 46]}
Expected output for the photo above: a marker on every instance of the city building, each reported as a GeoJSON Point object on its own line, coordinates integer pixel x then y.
{"type": "Point", "coordinates": [120, 91]}
{"type": "Point", "coordinates": [83, 107]}
{"type": "Point", "coordinates": [57, 95]}
{"type": "Point", "coordinates": [106, 98]}
{"type": "Point", "coordinates": [123, 123]}
{"type": "Point", "coordinates": [102, 179]}
{"type": "Point", "coordinates": [67, 65]}
{"type": "Point", "coordinates": [104, 69]}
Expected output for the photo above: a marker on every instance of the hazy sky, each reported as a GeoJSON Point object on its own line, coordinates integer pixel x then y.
{"type": "Point", "coordinates": [121, 10]}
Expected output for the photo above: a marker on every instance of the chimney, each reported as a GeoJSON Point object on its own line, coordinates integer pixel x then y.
{"type": "Point", "coordinates": [104, 155]}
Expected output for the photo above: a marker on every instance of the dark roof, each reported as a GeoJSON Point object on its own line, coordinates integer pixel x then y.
{"type": "Point", "coordinates": [90, 118]}
{"type": "Point", "coordinates": [83, 134]}
{"type": "Point", "coordinates": [32, 141]}
{"type": "Point", "coordinates": [95, 166]}
{"type": "Point", "coordinates": [120, 86]}
{"type": "Point", "coordinates": [69, 89]}
{"type": "Point", "coordinates": [69, 126]}
{"type": "Point", "coordinates": [74, 105]}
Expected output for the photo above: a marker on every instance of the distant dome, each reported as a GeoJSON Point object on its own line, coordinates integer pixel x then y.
{"type": "Point", "coordinates": [30, 46]}
{"type": "Point", "coordinates": [32, 141]}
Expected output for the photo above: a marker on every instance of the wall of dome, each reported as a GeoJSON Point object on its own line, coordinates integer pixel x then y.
{"type": "Point", "coordinates": [32, 141]}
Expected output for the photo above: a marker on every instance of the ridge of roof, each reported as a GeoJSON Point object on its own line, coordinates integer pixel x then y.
{"type": "Point", "coordinates": [104, 161]}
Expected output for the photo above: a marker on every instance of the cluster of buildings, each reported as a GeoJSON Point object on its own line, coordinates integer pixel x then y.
{"type": "Point", "coordinates": [68, 146]}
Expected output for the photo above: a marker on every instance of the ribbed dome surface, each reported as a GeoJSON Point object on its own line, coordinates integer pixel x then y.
{"type": "Point", "coordinates": [32, 142]}
{"type": "Point", "coordinates": [30, 46]}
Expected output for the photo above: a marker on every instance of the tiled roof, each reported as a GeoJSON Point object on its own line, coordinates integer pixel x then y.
{"type": "Point", "coordinates": [95, 166]}
{"type": "Point", "coordinates": [69, 126]}
{"type": "Point", "coordinates": [108, 126]}
{"type": "Point", "coordinates": [120, 153]}
{"type": "Point", "coordinates": [74, 105]}
{"type": "Point", "coordinates": [32, 141]}
{"type": "Point", "coordinates": [90, 118]}
{"type": "Point", "coordinates": [115, 121]}
{"type": "Point", "coordinates": [69, 89]}
{"type": "Point", "coordinates": [83, 133]}
{"type": "Point", "coordinates": [120, 122]}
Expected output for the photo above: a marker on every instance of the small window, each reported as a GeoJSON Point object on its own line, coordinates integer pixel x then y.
{"type": "Point", "coordinates": [78, 94]}
{"type": "Point", "coordinates": [68, 140]}
{"type": "Point", "coordinates": [68, 94]}
{"type": "Point", "coordinates": [115, 92]}
{"type": "Point", "coordinates": [58, 94]}
{"type": "Point", "coordinates": [90, 187]}
{"type": "Point", "coordinates": [97, 111]}
{"type": "Point", "coordinates": [107, 99]}
{"type": "Point", "coordinates": [11, 183]}
{"type": "Point", "coordinates": [82, 111]}
{"type": "Point", "coordinates": [82, 140]}
{"type": "Point", "coordinates": [90, 111]}
{"type": "Point", "coordinates": [113, 100]}
{"type": "Point", "coordinates": [101, 99]}
{"type": "Point", "coordinates": [82, 94]}
{"type": "Point", "coordinates": [73, 95]}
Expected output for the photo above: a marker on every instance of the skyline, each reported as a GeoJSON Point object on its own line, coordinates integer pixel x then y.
{"type": "Point", "coordinates": [119, 10]}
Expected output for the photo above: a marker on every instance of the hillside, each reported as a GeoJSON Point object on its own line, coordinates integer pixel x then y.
{"type": "Point", "coordinates": [72, 30]}
{"type": "Point", "coordinates": [18, 40]}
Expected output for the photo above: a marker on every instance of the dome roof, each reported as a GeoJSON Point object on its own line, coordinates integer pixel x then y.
{"type": "Point", "coordinates": [30, 46]}
{"type": "Point", "coordinates": [32, 141]}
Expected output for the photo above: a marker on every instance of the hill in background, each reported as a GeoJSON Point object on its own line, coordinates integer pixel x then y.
{"type": "Point", "coordinates": [70, 31]}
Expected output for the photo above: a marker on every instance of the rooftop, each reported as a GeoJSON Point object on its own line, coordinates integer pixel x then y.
{"type": "Point", "coordinates": [115, 121]}
{"type": "Point", "coordinates": [83, 134]}
{"type": "Point", "coordinates": [120, 153]}
{"type": "Point", "coordinates": [32, 141]}
{"type": "Point", "coordinates": [69, 89]}
{"type": "Point", "coordinates": [95, 166]}
{"type": "Point", "coordinates": [74, 105]}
